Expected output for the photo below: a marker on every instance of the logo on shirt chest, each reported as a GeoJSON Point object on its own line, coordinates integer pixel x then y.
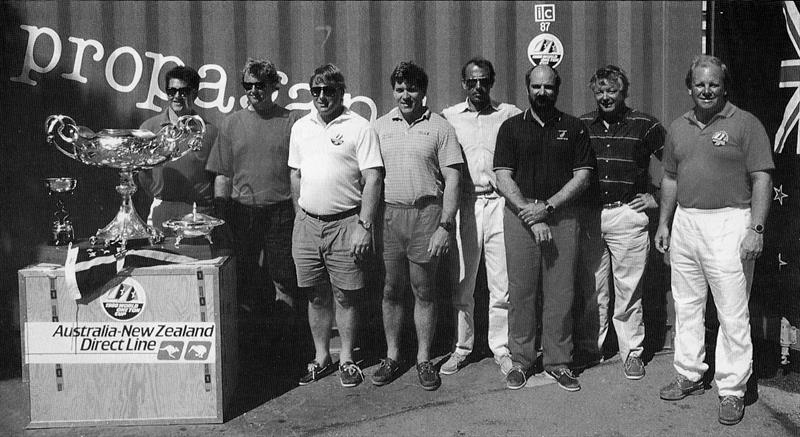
{"type": "Point", "coordinates": [562, 135]}
{"type": "Point", "coordinates": [720, 138]}
{"type": "Point", "coordinates": [337, 140]}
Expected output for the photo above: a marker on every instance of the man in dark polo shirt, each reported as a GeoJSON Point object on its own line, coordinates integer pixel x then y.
{"type": "Point", "coordinates": [177, 185]}
{"type": "Point", "coordinates": [252, 191]}
{"type": "Point", "coordinates": [715, 197]}
{"type": "Point", "coordinates": [543, 161]}
{"type": "Point", "coordinates": [615, 241]}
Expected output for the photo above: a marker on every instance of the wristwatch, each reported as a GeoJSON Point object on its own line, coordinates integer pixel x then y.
{"type": "Point", "coordinates": [758, 229]}
{"type": "Point", "coordinates": [447, 226]}
{"type": "Point", "coordinates": [366, 225]}
{"type": "Point", "coordinates": [549, 208]}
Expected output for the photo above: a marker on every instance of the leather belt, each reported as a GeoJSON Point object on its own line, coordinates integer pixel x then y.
{"type": "Point", "coordinates": [334, 217]}
{"type": "Point", "coordinates": [613, 205]}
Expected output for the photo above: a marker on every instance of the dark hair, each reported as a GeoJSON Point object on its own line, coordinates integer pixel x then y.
{"type": "Point", "coordinates": [530, 70]}
{"type": "Point", "coordinates": [186, 74]}
{"type": "Point", "coordinates": [610, 73]}
{"type": "Point", "coordinates": [410, 73]}
{"type": "Point", "coordinates": [480, 63]}
{"type": "Point", "coordinates": [262, 69]}
{"type": "Point", "coordinates": [701, 60]}
{"type": "Point", "coordinates": [327, 73]}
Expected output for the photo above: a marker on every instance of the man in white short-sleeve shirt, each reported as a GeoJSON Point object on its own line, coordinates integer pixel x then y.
{"type": "Point", "coordinates": [337, 175]}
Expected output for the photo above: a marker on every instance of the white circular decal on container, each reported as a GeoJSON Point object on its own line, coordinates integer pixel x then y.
{"type": "Point", "coordinates": [547, 49]}
{"type": "Point", "coordinates": [125, 301]}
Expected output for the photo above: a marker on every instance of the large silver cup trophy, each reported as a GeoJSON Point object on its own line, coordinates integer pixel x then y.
{"type": "Point", "coordinates": [129, 151]}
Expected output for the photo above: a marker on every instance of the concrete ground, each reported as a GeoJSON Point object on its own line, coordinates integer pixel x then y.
{"type": "Point", "coordinates": [472, 402]}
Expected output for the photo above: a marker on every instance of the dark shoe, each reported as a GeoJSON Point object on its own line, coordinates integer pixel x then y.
{"type": "Point", "coordinates": [316, 372]}
{"type": "Point", "coordinates": [428, 376]}
{"type": "Point", "coordinates": [565, 379]}
{"type": "Point", "coordinates": [350, 374]}
{"type": "Point", "coordinates": [681, 387]}
{"type": "Point", "coordinates": [387, 372]}
{"type": "Point", "coordinates": [633, 367]}
{"type": "Point", "coordinates": [731, 410]}
{"type": "Point", "coordinates": [516, 379]}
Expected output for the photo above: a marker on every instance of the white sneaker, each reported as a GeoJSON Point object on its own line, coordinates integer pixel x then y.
{"type": "Point", "coordinates": [453, 364]}
{"type": "Point", "coordinates": [505, 363]}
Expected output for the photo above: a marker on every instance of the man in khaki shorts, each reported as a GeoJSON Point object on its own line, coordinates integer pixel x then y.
{"type": "Point", "coordinates": [331, 151]}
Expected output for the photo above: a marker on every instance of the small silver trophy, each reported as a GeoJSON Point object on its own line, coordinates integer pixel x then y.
{"type": "Point", "coordinates": [61, 230]}
{"type": "Point", "coordinates": [127, 150]}
{"type": "Point", "coordinates": [194, 224]}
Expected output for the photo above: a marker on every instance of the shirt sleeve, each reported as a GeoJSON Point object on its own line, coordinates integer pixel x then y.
{"type": "Point", "coordinates": [584, 154]}
{"type": "Point", "coordinates": [294, 160]}
{"type": "Point", "coordinates": [758, 148]}
{"type": "Point", "coordinates": [368, 149]}
{"type": "Point", "coordinates": [449, 148]}
{"type": "Point", "coordinates": [505, 153]}
{"type": "Point", "coordinates": [220, 159]}
{"type": "Point", "coordinates": [654, 139]}
{"type": "Point", "coordinates": [669, 163]}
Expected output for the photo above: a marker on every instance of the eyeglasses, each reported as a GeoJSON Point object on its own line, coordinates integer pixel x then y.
{"type": "Point", "coordinates": [328, 91]}
{"type": "Point", "coordinates": [185, 91]}
{"type": "Point", "coordinates": [250, 85]}
{"type": "Point", "coordinates": [473, 82]}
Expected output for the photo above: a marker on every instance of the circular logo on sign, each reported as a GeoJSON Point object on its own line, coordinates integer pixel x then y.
{"type": "Point", "coordinates": [124, 301]}
{"type": "Point", "coordinates": [547, 49]}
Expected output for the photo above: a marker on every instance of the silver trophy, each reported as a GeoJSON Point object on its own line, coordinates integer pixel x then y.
{"type": "Point", "coordinates": [194, 224]}
{"type": "Point", "coordinates": [61, 231]}
{"type": "Point", "coordinates": [129, 151]}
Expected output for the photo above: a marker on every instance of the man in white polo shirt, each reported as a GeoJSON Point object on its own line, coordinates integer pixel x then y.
{"type": "Point", "coordinates": [337, 175]}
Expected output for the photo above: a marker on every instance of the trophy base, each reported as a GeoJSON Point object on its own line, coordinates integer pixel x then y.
{"type": "Point", "coordinates": [127, 225]}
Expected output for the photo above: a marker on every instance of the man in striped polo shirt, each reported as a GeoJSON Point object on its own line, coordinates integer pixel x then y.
{"type": "Point", "coordinates": [423, 160]}
{"type": "Point", "coordinates": [616, 242]}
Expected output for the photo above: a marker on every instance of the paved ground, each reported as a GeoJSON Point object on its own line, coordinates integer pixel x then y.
{"type": "Point", "coordinates": [473, 402]}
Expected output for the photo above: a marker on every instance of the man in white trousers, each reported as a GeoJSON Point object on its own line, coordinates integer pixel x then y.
{"type": "Point", "coordinates": [715, 194]}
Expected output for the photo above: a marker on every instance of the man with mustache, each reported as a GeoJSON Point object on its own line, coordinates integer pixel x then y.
{"type": "Point", "coordinates": [177, 185]}
{"type": "Point", "coordinates": [715, 197]}
{"type": "Point", "coordinates": [616, 242]}
{"type": "Point", "coordinates": [423, 161]}
{"type": "Point", "coordinates": [337, 174]}
{"type": "Point", "coordinates": [252, 194]}
{"type": "Point", "coordinates": [542, 162]}
{"type": "Point", "coordinates": [479, 222]}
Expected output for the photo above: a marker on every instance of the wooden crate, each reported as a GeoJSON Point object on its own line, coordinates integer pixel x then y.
{"type": "Point", "coordinates": [137, 388]}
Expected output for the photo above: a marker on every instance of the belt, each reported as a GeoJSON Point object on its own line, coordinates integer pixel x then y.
{"type": "Point", "coordinates": [262, 208]}
{"type": "Point", "coordinates": [613, 205]}
{"type": "Point", "coordinates": [420, 203]}
{"type": "Point", "coordinates": [334, 217]}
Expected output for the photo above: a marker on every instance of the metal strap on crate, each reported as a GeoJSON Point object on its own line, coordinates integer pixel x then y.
{"type": "Point", "coordinates": [207, 376]}
{"type": "Point", "coordinates": [59, 378]}
{"type": "Point", "coordinates": [201, 294]}
{"type": "Point", "coordinates": [53, 298]}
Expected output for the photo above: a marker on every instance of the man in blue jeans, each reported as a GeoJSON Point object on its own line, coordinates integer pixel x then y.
{"type": "Point", "coordinates": [543, 161]}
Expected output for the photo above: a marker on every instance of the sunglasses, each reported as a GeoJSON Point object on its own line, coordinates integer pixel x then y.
{"type": "Point", "coordinates": [257, 85]}
{"type": "Point", "coordinates": [328, 91]}
{"type": "Point", "coordinates": [472, 83]}
{"type": "Point", "coordinates": [185, 91]}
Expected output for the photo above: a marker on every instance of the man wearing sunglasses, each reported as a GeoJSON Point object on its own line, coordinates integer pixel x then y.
{"type": "Point", "coordinates": [423, 162]}
{"type": "Point", "coordinates": [337, 175]}
{"type": "Point", "coordinates": [479, 222]}
{"type": "Point", "coordinates": [252, 193]}
{"type": "Point", "coordinates": [176, 185]}
{"type": "Point", "coordinates": [615, 243]}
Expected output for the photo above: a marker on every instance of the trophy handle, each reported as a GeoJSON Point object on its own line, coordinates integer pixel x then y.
{"type": "Point", "coordinates": [55, 125]}
{"type": "Point", "coordinates": [194, 125]}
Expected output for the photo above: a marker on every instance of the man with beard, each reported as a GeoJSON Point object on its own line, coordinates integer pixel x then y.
{"type": "Point", "coordinates": [423, 161]}
{"type": "Point", "coordinates": [252, 193]}
{"type": "Point", "coordinates": [479, 222]}
{"type": "Point", "coordinates": [616, 242]}
{"type": "Point", "coordinates": [177, 185]}
{"type": "Point", "coordinates": [542, 162]}
{"type": "Point", "coordinates": [715, 194]}
{"type": "Point", "coordinates": [337, 174]}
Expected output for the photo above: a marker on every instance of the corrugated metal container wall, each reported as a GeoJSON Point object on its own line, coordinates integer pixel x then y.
{"type": "Point", "coordinates": [96, 61]}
